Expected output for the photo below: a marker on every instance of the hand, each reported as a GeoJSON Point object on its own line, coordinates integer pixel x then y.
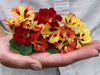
{"type": "Point", "coordinates": [56, 60]}
{"type": "Point", "coordinates": [14, 60]}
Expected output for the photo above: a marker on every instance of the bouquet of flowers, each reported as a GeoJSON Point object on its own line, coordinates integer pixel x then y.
{"type": "Point", "coordinates": [45, 31]}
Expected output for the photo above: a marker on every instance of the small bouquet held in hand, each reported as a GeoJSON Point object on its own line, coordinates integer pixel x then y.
{"type": "Point", "coordinates": [45, 31]}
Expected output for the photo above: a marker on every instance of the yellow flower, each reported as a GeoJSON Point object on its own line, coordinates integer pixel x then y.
{"type": "Point", "coordinates": [71, 20]}
{"type": "Point", "coordinates": [78, 45]}
{"type": "Point", "coordinates": [85, 36]}
{"type": "Point", "coordinates": [81, 28]}
{"type": "Point", "coordinates": [82, 35]}
{"type": "Point", "coordinates": [48, 33]}
{"type": "Point", "coordinates": [54, 37]}
{"type": "Point", "coordinates": [45, 30]}
{"type": "Point", "coordinates": [21, 15]}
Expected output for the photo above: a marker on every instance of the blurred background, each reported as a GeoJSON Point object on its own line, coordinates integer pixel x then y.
{"type": "Point", "coordinates": [87, 10]}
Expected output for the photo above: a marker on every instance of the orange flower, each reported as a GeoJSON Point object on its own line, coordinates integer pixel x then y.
{"type": "Point", "coordinates": [40, 44]}
{"type": "Point", "coordinates": [66, 40]}
{"type": "Point", "coordinates": [21, 14]}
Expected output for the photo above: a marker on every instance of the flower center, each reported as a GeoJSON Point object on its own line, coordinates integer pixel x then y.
{"type": "Point", "coordinates": [27, 35]}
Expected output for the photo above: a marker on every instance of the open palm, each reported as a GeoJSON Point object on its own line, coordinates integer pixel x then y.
{"type": "Point", "coordinates": [44, 60]}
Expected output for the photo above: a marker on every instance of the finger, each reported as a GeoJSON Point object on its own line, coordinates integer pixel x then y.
{"type": "Point", "coordinates": [56, 60]}
{"type": "Point", "coordinates": [19, 61]}
{"type": "Point", "coordinates": [41, 57]}
{"type": "Point", "coordinates": [92, 44]}
{"type": "Point", "coordinates": [96, 46]}
{"type": "Point", "coordinates": [95, 41]}
{"type": "Point", "coordinates": [74, 56]}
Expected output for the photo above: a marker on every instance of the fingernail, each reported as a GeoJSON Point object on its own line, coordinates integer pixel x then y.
{"type": "Point", "coordinates": [35, 67]}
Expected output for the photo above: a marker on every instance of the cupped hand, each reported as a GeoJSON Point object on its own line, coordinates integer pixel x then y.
{"type": "Point", "coordinates": [58, 59]}
{"type": "Point", "coordinates": [44, 60]}
{"type": "Point", "coordinates": [14, 60]}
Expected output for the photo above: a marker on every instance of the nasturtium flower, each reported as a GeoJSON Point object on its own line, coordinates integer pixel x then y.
{"type": "Point", "coordinates": [40, 44]}
{"type": "Point", "coordinates": [25, 36]}
{"type": "Point", "coordinates": [80, 28]}
{"type": "Point", "coordinates": [82, 35]}
{"type": "Point", "coordinates": [49, 16]}
{"type": "Point", "coordinates": [67, 32]}
{"type": "Point", "coordinates": [21, 14]}
{"type": "Point", "coordinates": [45, 30]}
{"type": "Point", "coordinates": [65, 42]}
{"type": "Point", "coordinates": [54, 37]}
{"type": "Point", "coordinates": [71, 20]}
{"type": "Point", "coordinates": [12, 22]}
{"type": "Point", "coordinates": [29, 24]}
{"type": "Point", "coordinates": [51, 35]}
{"type": "Point", "coordinates": [65, 45]}
{"type": "Point", "coordinates": [61, 32]}
{"type": "Point", "coordinates": [85, 36]}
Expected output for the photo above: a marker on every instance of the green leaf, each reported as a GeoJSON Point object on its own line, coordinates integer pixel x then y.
{"type": "Point", "coordinates": [52, 50]}
{"type": "Point", "coordinates": [23, 49]}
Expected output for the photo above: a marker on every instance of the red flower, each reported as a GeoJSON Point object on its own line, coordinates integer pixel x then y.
{"type": "Point", "coordinates": [53, 24]}
{"type": "Point", "coordinates": [71, 46]}
{"type": "Point", "coordinates": [24, 36]}
{"type": "Point", "coordinates": [47, 16]}
{"type": "Point", "coordinates": [70, 33]}
{"type": "Point", "coordinates": [40, 44]}
{"type": "Point", "coordinates": [65, 48]}
{"type": "Point", "coordinates": [66, 42]}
